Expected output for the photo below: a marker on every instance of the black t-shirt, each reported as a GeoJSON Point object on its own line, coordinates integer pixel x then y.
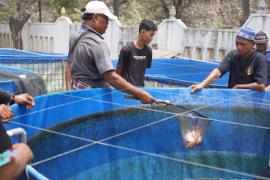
{"type": "Point", "coordinates": [134, 62]}
{"type": "Point", "coordinates": [244, 70]}
{"type": "Point", "coordinates": [5, 142]}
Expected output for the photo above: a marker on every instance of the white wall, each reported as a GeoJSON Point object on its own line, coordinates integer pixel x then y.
{"type": "Point", "coordinates": [171, 34]}
{"type": "Point", "coordinates": [5, 36]}
{"type": "Point", "coordinates": [207, 44]}
{"type": "Point", "coordinates": [48, 37]}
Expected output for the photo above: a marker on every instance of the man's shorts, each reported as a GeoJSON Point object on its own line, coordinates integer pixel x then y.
{"type": "Point", "coordinates": [79, 85]}
{"type": "Point", "coordinates": [7, 156]}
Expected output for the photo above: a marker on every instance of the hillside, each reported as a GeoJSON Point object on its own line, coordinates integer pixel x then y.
{"type": "Point", "coordinates": [199, 13]}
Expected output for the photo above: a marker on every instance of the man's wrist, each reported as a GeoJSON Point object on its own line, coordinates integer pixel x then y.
{"type": "Point", "coordinates": [203, 85]}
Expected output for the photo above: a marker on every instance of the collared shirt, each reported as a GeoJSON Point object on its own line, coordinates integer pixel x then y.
{"type": "Point", "coordinates": [90, 57]}
{"type": "Point", "coordinates": [244, 70]}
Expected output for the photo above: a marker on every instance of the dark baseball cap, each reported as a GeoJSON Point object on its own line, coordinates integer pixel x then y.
{"type": "Point", "coordinates": [261, 37]}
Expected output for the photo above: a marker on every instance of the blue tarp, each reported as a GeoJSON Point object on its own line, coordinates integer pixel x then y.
{"type": "Point", "coordinates": [14, 56]}
{"type": "Point", "coordinates": [182, 72]}
{"type": "Point", "coordinates": [10, 85]}
{"type": "Point", "coordinates": [15, 80]}
{"type": "Point", "coordinates": [148, 144]}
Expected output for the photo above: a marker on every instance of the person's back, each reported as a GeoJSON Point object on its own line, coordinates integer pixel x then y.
{"type": "Point", "coordinates": [135, 57]}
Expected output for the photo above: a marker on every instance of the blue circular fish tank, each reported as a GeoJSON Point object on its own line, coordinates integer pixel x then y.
{"type": "Point", "coordinates": [98, 134]}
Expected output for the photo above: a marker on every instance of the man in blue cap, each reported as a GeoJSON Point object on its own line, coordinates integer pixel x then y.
{"type": "Point", "coordinates": [248, 68]}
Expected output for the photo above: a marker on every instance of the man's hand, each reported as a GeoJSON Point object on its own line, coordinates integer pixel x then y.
{"type": "Point", "coordinates": [236, 86]}
{"type": "Point", "coordinates": [196, 87]}
{"type": "Point", "coordinates": [25, 99]}
{"type": "Point", "coordinates": [214, 75]}
{"type": "Point", "coordinates": [146, 98]}
{"type": "Point", "coordinates": [5, 112]}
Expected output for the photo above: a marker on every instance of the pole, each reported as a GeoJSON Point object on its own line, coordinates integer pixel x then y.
{"type": "Point", "coordinates": [39, 10]}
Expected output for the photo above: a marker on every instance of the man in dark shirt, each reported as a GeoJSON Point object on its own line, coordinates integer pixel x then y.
{"type": "Point", "coordinates": [13, 158]}
{"type": "Point", "coordinates": [136, 56]}
{"type": "Point", "coordinates": [248, 68]}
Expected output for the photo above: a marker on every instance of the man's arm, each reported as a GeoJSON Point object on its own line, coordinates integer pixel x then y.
{"type": "Point", "coordinates": [267, 88]}
{"type": "Point", "coordinates": [119, 70]}
{"type": "Point", "coordinates": [255, 86]}
{"type": "Point", "coordinates": [119, 83]}
{"type": "Point", "coordinates": [17, 164]}
{"type": "Point", "coordinates": [122, 60]}
{"type": "Point", "coordinates": [223, 67]}
{"type": "Point", "coordinates": [214, 75]}
{"type": "Point", "coordinates": [68, 76]}
{"type": "Point", "coordinates": [149, 62]}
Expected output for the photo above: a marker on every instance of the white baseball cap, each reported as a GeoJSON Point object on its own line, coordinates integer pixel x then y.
{"type": "Point", "coordinates": [99, 7]}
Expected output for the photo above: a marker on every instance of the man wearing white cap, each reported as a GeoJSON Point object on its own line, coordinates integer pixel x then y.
{"type": "Point", "coordinates": [89, 55]}
{"type": "Point", "coordinates": [248, 68]}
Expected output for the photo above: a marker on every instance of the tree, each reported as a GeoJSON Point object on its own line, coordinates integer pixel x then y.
{"type": "Point", "coordinates": [179, 5]}
{"type": "Point", "coordinates": [17, 13]}
{"type": "Point", "coordinates": [68, 4]}
{"type": "Point", "coordinates": [72, 7]}
{"type": "Point", "coordinates": [245, 11]}
{"type": "Point", "coordinates": [116, 6]}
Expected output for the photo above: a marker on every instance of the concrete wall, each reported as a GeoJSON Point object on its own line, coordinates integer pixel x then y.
{"type": "Point", "coordinates": [48, 37]}
{"type": "Point", "coordinates": [207, 44]}
{"type": "Point", "coordinates": [5, 36]}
